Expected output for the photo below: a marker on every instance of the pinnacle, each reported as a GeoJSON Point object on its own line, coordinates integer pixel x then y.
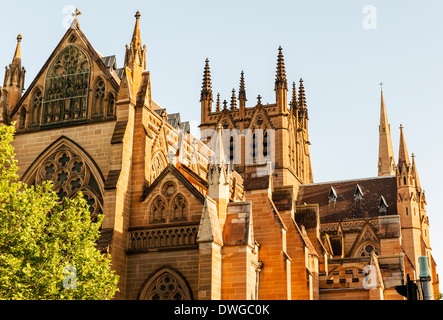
{"type": "Point", "coordinates": [233, 100]}
{"type": "Point", "coordinates": [217, 105]}
{"type": "Point", "coordinates": [206, 86]}
{"type": "Point", "coordinates": [301, 95]}
{"type": "Point", "coordinates": [17, 53]}
{"type": "Point", "coordinates": [294, 96]}
{"type": "Point", "coordinates": [403, 156]}
{"type": "Point", "coordinates": [281, 71]}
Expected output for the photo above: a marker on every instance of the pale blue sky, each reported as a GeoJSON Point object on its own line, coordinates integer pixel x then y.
{"type": "Point", "coordinates": [324, 42]}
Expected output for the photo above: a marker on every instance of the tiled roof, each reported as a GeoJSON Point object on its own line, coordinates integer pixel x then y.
{"type": "Point", "coordinates": [346, 206]}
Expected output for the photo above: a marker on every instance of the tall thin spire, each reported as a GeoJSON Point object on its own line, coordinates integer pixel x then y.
{"type": "Point", "coordinates": [386, 159]}
{"type": "Point", "coordinates": [233, 100]}
{"type": "Point", "coordinates": [206, 93]}
{"type": "Point", "coordinates": [293, 102]}
{"type": "Point", "coordinates": [135, 58]}
{"type": "Point", "coordinates": [136, 38]}
{"type": "Point", "coordinates": [281, 84]}
{"type": "Point", "coordinates": [403, 157]}
{"type": "Point", "coordinates": [18, 54]}
{"type": "Point", "coordinates": [217, 105]}
{"type": "Point", "coordinates": [14, 80]}
{"type": "Point", "coordinates": [242, 90]}
{"type": "Point", "coordinates": [280, 78]}
{"type": "Point", "coordinates": [414, 169]}
{"type": "Point", "coordinates": [301, 95]}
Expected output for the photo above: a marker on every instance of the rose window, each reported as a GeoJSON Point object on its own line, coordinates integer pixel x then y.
{"type": "Point", "coordinates": [70, 175]}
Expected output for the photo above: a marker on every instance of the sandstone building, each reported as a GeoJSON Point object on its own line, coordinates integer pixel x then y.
{"type": "Point", "coordinates": [233, 215]}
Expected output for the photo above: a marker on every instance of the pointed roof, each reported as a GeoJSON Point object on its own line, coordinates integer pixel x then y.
{"type": "Point", "coordinates": [206, 92]}
{"type": "Point", "coordinates": [403, 156]}
{"type": "Point", "coordinates": [386, 165]}
{"type": "Point", "coordinates": [281, 70]}
{"type": "Point", "coordinates": [293, 102]}
{"type": "Point", "coordinates": [242, 90]}
{"type": "Point", "coordinates": [17, 54]}
{"type": "Point", "coordinates": [233, 100]}
{"type": "Point", "coordinates": [136, 53]}
{"type": "Point", "coordinates": [414, 169]}
{"type": "Point", "coordinates": [301, 95]}
{"type": "Point", "coordinates": [217, 105]}
{"type": "Point", "coordinates": [136, 38]}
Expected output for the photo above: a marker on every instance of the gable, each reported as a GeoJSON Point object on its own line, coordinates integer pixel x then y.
{"type": "Point", "coordinates": [72, 70]}
{"type": "Point", "coordinates": [166, 194]}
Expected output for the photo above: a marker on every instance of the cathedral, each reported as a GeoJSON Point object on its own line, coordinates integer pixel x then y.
{"type": "Point", "coordinates": [232, 215]}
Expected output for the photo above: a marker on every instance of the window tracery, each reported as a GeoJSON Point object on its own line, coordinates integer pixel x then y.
{"type": "Point", "coordinates": [67, 87]}
{"type": "Point", "coordinates": [99, 97]}
{"type": "Point", "coordinates": [70, 175]}
{"type": "Point", "coordinates": [36, 105]}
{"type": "Point", "coordinates": [166, 285]}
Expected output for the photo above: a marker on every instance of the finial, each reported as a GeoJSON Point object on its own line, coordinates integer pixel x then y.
{"type": "Point", "coordinates": [233, 100]}
{"type": "Point", "coordinates": [19, 37]}
{"type": "Point", "coordinates": [225, 104]}
{"type": "Point", "coordinates": [294, 96]}
{"type": "Point", "coordinates": [413, 155]}
{"type": "Point", "coordinates": [281, 72]}
{"type": "Point", "coordinates": [401, 126]}
{"type": "Point", "coordinates": [301, 95]}
{"type": "Point", "coordinates": [259, 100]}
{"type": "Point", "coordinates": [217, 105]}
{"type": "Point", "coordinates": [137, 15]}
{"type": "Point", "coordinates": [206, 92]}
{"type": "Point", "coordinates": [76, 13]}
{"type": "Point", "coordinates": [381, 85]}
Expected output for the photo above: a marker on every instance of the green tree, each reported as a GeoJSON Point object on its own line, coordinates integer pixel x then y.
{"type": "Point", "coordinates": [47, 249]}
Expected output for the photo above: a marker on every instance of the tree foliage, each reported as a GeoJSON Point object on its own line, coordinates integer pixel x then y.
{"type": "Point", "coordinates": [47, 249]}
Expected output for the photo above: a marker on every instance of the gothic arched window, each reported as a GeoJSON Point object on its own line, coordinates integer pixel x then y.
{"type": "Point", "coordinates": [110, 105]}
{"type": "Point", "coordinates": [67, 87]}
{"type": "Point", "coordinates": [179, 211]}
{"type": "Point", "coordinates": [98, 99]}
{"type": "Point", "coordinates": [158, 210]}
{"type": "Point", "coordinates": [22, 122]}
{"type": "Point", "coordinates": [35, 107]}
{"type": "Point", "coordinates": [166, 284]}
{"type": "Point", "coordinates": [70, 175]}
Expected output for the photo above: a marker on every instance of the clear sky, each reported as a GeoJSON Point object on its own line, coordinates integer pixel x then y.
{"type": "Point", "coordinates": [341, 50]}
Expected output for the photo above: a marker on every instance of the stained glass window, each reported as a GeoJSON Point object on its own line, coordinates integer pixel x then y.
{"type": "Point", "coordinates": [67, 87]}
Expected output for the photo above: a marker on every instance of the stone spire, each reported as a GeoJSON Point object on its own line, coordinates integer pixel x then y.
{"type": "Point", "coordinates": [17, 60]}
{"type": "Point", "coordinates": [206, 93]}
{"type": "Point", "coordinates": [135, 57]}
{"type": "Point", "coordinates": [415, 172]}
{"type": "Point", "coordinates": [218, 103]}
{"type": "Point", "coordinates": [281, 84]}
{"type": "Point", "coordinates": [233, 100]}
{"type": "Point", "coordinates": [14, 80]}
{"type": "Point", "coordinates": [386, 160]}
{"type": "Point", "coordinates": [242, 90]}
{"type": "Point", "coordinates": [280, 79]}
{"type": "Point", "coordinates": [403, 157]}
{"type": "Point", "coordinates": [301, 95]}
{"type": "Point", "coordinates": [293, 102]}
